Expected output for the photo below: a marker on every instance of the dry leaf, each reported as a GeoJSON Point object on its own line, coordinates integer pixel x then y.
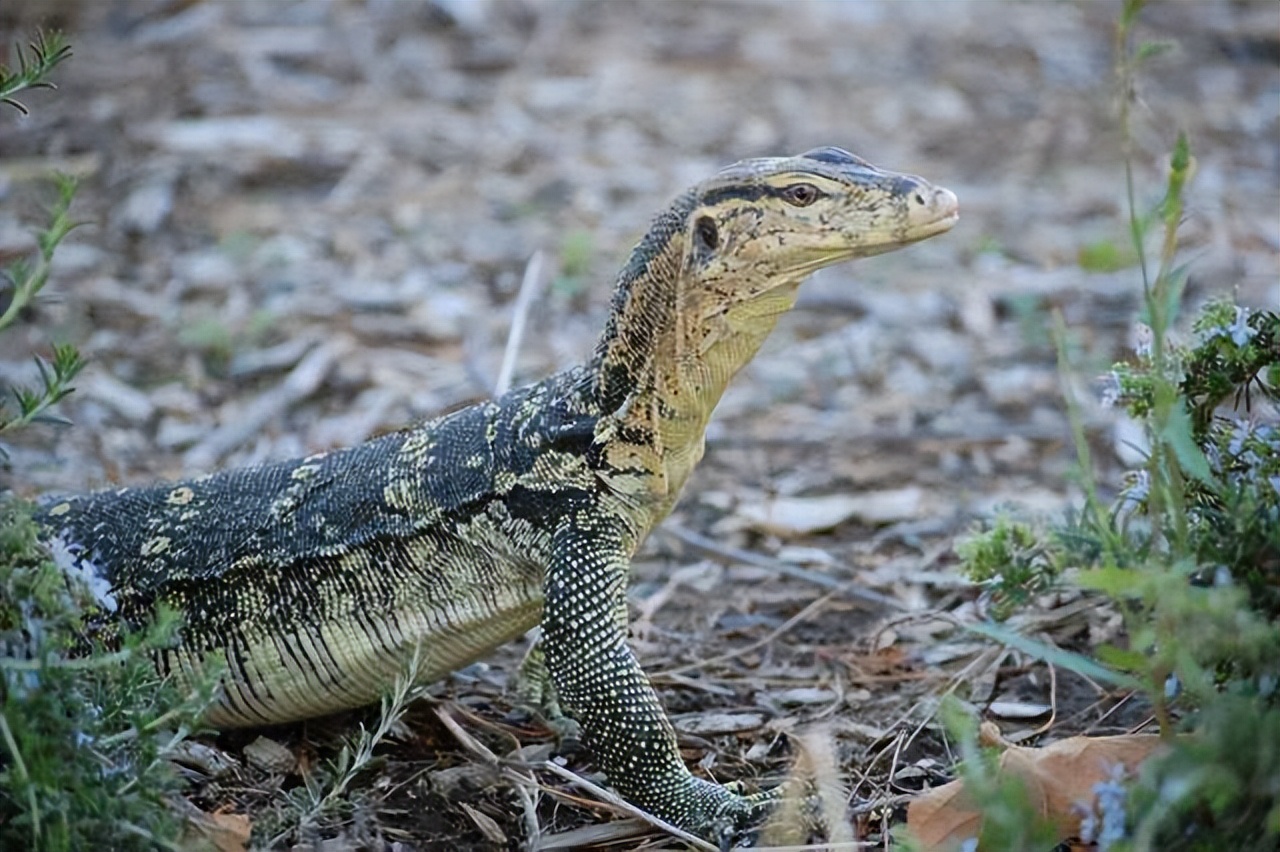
{"type": "Point", "coordinates": [487, 825]}
{"type": "Point", "coordinates": [1058, 778]}
{"type": "Point", "coordinates": [793, 516]}
{"type": "Point", "coordinates": [227, 832]}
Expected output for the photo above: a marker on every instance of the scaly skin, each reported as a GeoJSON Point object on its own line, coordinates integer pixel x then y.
{"type": "Point", "coordinates": [312, 581]}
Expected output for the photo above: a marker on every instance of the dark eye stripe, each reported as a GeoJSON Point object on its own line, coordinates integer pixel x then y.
{"type": "Point", "coordinates": [752, 192]}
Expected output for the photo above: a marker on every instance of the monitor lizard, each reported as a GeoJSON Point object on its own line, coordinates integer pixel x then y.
{"type": "Point", "coordinates": [312, 581]}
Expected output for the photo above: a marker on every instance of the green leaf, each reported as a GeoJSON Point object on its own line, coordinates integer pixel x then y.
{"type": "Point", "coordinates": [1130, 12]}
{"type": "Point", "coordinates": [1105, 256]}
{"type": "Point", "coordinates": [1150, 49]}
{"type": "Point", "coordinates": [1172, 285]}
{"type": "Point", "coordinates": [1077, 663]}
{"type": "Point", "coordinates": [1181, 158]}
{"type": "Point", "coordinates": [1116, 583]}
{"type": "Point", "coordinates": [1177, 434]}
{"type": "Point", "coordinates": [1122, 659]}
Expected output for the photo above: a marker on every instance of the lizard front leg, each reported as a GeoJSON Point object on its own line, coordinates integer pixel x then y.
{"type": "Point", "coordinates": [601, 685]}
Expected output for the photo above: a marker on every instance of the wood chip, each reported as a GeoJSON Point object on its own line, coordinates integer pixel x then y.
{"type": "Point", "coordinates": [796, 516]}
{"type": "Point", "coordinates": [718, 723]}
{"type": "Point", "coordinates": [303, 381]}
{"type": "Point", "coordinates": [1018, 709]}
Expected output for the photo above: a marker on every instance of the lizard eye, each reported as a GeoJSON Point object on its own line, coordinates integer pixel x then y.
{"type": "Point", "coordinates": [800, 194]}
{"type": "Point", "coordinates": [707, 232]}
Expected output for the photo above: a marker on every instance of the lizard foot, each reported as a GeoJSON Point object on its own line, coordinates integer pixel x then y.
{"type": "Point", "coordinates": [718, 813]}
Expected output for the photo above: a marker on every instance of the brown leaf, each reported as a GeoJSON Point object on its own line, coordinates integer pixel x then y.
{"type": "Point", "coordinates": [227, 832]}
{"type": "Point", "coordinates": [1058, 778]}
{"type": "Point", "coordinates": [488, 825]}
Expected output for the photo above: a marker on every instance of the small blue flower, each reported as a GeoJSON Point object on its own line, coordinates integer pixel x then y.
{"type": "Point", "coordinates": [1089, 827]}
{"type": "Point", "coordinates": [1239, 330]}
{"type": "Point", "coordinates": [1239, 435]}
{"type": "Point", "coordinates": [1109, 389]}
{"type": "Point", "coordinates": [1143, 337]}
{"type": "Point", "coordinates": [1111, 796]}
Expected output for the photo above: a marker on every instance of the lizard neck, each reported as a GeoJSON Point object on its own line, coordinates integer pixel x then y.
{"type": "Point", "coordinates": [668, 352]}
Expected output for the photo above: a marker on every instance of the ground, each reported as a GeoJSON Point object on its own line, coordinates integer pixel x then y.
{"type": "Point", "coordinates": [307, 223]}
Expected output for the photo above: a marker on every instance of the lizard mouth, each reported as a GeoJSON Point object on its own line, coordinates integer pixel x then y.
{"type": "Point", "coordinates": [938, 213]}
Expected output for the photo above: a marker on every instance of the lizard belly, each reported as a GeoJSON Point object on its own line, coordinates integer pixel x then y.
{"type": "Point", "coordinates": [356, 654]}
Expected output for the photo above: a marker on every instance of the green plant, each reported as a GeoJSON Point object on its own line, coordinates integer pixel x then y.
{"type": "Point", "coordinates": [217, 342]}
{"type": "Point", "coordinates": [86, 722]}
{"type": "Point", "coordinates": [46, 52]}
{"type": "Point", "coordinates": [1188, 551]}
{"type": "Point", "coordinates": [22, 280]}
{"type": "Point", "coordinates": [84, 728]}
{"type": "Point", "coordinates": [325, 795]}
{"type": "Point", "coordinates": [1013, 559]}
{"type": "Point", "coordinates": [1105, 256]}
{"type": "Point", "coordinates": [576, 252]}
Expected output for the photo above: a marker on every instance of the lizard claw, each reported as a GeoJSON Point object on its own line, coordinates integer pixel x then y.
{"type": "Point", "coordinates": [739, 816]}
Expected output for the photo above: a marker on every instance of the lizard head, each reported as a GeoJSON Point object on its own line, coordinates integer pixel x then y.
{"type": "Point", "coordinates": [763, 223]}
{"type": "Point", "coordinates": [710, 278]}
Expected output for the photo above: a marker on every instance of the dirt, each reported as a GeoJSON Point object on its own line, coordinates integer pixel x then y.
{"type": "Point", "coordinates": [307, 222]}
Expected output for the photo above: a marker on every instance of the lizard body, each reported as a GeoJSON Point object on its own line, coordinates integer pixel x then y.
{"type": "Point", "coordinates": [314, 580]}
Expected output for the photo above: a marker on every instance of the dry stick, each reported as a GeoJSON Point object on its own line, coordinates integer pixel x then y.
{"type": "Point", "coordinates": [1053, 701]}
{"type": "Point", "coordinates": [846, 588]}
{"type": "Point", "coordinates": [593, 836]}
{"type": "Point", "coordinates": [955, 682]}
{"type": "Point", "coordinates": [302, 381]}
{"type": "Point", "coordinates": [521, 782]}
{"type": "Point", "coordinates": [875, 800]}
{"type": "Point", "coordinates": [863, 772]}
{"type": "Point", "coordinates": [825, 846]}
{"type": "Point", "coordinates": [622, 804]}
{"type": "Point", "coordinates": [488, 758]}
{"type": "Point", "coordinates": [529, 808]}
{"type": "Point", "coordinates": [803, 615]}
{"type": "Point", "coordinates": [524, 301]}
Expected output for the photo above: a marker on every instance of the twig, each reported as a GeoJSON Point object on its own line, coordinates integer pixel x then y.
{"type": "Point", "coordinates": [304, 380]}
{"type": "Point", "coordinates": [622, 804]}
{"type": "Point", "coordinates": [592, 836]}
{"type": "Point", "coordinates": [845, 588]}
{"type": "Point", "coordinates": [352, 761]}
{"type": "Point", "coordinates": [523, 783]}
{"type": "Point", "coordinates": [487, 757]}
{"type": "Point", "coordinates": [800, 617]}
{"type": "Point", "coordinates": [524, 301]}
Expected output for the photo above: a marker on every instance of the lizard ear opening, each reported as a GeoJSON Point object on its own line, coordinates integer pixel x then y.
{"type": "Point", "coordinates": [707, 233]}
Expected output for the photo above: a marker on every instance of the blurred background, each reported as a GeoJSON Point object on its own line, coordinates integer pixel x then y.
{"type": "Point", "coordinates": [306, 222]}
